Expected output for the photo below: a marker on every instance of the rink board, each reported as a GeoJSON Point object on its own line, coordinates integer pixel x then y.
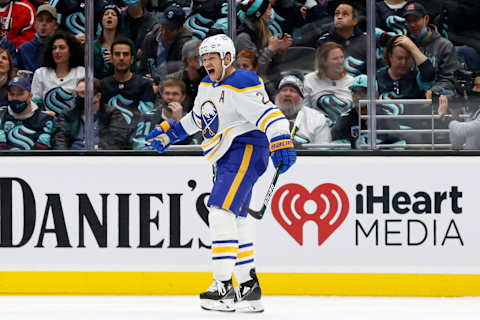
{"type": "Point", "coordinates": [393, 226]}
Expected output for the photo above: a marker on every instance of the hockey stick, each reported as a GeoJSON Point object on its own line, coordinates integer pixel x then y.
{"type": "Point", "coordinates": [259, 214]}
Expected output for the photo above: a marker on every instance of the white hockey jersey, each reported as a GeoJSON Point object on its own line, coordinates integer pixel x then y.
{"type": "Point", "coordinates": [316, 88]}
{"type": "Point", "coordinates": [235, 106]}
{"type": "Point", "coordinates": [313, 128]}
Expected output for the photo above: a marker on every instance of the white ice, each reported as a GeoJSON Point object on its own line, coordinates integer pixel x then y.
{"type": "Point", "coordinates": [187, 307]}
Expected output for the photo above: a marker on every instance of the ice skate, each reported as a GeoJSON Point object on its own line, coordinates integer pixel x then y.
{"type": "Point", "coordinates": [218, 297]}
{"type": "Point", "coordinates": [248, 295]}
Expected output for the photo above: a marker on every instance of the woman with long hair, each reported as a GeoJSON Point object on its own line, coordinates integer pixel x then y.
{"type": "Point", "coordinates": [7, 72]}
{"type": "Point", "coordinates": [254, 34]}
{"type": "Point", "coordinates": [101, 47]}
{"type": "Point", "coordinates": [327, 88]}
{"type": "Point", "coordinates": [54, 84]}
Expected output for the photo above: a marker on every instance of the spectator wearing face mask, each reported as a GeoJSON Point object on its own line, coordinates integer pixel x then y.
{"type": "Point", "coordinates": [23, 125]}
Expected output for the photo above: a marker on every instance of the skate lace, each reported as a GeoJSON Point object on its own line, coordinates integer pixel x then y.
{"type": "Point", "coordinates": [217, 286]}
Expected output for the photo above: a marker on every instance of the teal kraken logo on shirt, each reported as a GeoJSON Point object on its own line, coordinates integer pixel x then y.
{"type": "Point", "coordinates": [209, 119]}
{"type": "Point", "coordinates": [58, 100]}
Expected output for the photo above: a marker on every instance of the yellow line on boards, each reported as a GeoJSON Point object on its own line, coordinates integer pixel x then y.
{"type": "Point", "coordinates": [192, 283]}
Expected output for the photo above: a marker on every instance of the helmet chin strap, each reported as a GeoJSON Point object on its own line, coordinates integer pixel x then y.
{"type": "Point", "coordinates": [224, 69]}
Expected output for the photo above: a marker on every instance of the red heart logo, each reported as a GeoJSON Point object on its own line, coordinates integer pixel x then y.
{"type": "Point", "coordinates": [327, 205]}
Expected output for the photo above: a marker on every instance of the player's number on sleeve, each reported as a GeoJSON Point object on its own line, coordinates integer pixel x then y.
{"type": "Point", "coordinates": [143, 128]}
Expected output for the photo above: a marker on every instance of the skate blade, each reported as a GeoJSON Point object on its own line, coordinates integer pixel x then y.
{"type": "Point", "coordinates": [249, 306]}
{"type": "Point", "coordinates": [217, 305]}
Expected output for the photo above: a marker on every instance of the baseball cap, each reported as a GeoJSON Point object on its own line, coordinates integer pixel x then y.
{"type": "Point", "coordinates": [20, 82]}
{"type": "Point", "coordinates": [47, 8]}
{"type": "Point", "coordinates": [361, 81]}
{"type": "Point", "coordinates": [293, 82]}
{"type": "Point", "coordinates": [415, 9]}
{"type": "Point", "coordinates": [173, 17]}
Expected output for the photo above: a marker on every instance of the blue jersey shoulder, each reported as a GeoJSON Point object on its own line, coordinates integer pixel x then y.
{"type": "Point", "coordinates": [242, 79]}
{"type": "Point", "coordinates": [239, 79]}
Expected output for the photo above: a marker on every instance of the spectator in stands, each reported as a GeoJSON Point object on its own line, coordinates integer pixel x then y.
{"type": "Point", "coordinates": [469, 57]}
{"type": "Point", "coordinates": [207, 16]}
{"type": "Point", "coordinates": [403, 79]}
{"type": "Point", "coordinates": [389, 16]}
{"type": "Point", "coordinates": [289, 99]}
{"type": "Point", "coordinates": [438, 50]}
{"type": "Point", "coordinates": [130, 93]}
{"type": "Point", "coordinates": [17, 21]}
{"type": "Point", "coordinates": [72, 16]}
{"type": "Point", "coordinates": [109, 128]}
{"type": "Point", "coordinates": [30, 53]}
{"type": "Point", "coordinates": [344, 31]}
{"type": "Point", "coordinates": [247, 59]}
{"type": "Point", "coordinates": [54, 84]}
{"type": "Point", "coordinates": [173, 96]}
{"type": "Point", "coordinates": [136, 22]}
{"type": "Point", "coordinates": [254, 34]}
{"type": "Point", "coordinates": [347, 128]}
{"type": "Point", "coordinates": [327, 88]}
{"type": "Point", "coordinates": [23, 125]}
{"type": "Point", "coordinates": [7, 73]}
{"type": "Point", "coordinates": [163, 45]}
{"type": "Point", "coordinates": [101, 47]}
{"type": "Point", "coordinates": [192, 72]}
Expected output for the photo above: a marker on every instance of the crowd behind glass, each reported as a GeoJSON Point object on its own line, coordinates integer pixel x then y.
{"type": "Point", "coordinates": [311, 55]}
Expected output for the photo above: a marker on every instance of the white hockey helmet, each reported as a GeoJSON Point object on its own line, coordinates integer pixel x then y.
{"type": "Point", "coordinates": [220, 44]}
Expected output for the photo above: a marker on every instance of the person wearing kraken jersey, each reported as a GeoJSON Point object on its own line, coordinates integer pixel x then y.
{"type": "Point", "coordinates": [23, 126]}
{"type": "Point", "coordinates": [239, 126]}
{"type": "Point", "coordinates": [72, 16]}
{"type": "Point", "coordinates": [345, 31]}
{"type": "Point", "coordinates": [17, 19]}
{"type": "Point", "coordinates": [30, 53]}
{"type": "Point", "coordinates": [130, 93]}
{"type": "Point", "coordinates": [327, 87]}
{"type": "Point", "coordinates": [389, 16]}
{"type": "Point", "coordinates": [409, 74]}
{"type": "Point", "coordinates": [54, 84]}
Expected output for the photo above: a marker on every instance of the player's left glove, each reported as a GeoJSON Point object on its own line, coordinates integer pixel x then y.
{"type": "Point", "coordinates": [283, 151]}
{"type": "Point", "coordinates": [164, 135]}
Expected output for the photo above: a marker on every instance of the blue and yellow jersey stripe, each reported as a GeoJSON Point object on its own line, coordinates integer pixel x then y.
{"type": "Point", "coordinates": [270, 116]}
{"type": "Point", "coordinates": [239, 81]}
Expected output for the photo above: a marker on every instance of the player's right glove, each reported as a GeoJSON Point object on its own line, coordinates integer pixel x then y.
{"type": "Point", "coordinates": [283, 151]}
{"type": "Point", "coordinates": [164, 135]}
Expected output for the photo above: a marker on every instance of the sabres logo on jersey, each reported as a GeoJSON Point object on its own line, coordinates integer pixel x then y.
{"type": "Point", "coordinates": [209, 119]}
{"type": "Point", "coordinates": [59, 100]}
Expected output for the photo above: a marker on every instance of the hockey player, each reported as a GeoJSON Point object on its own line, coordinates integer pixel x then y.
{"type": "Point", "coordinates": [23, 126]}
{"type": "Point", "coordinates": [239, 126]}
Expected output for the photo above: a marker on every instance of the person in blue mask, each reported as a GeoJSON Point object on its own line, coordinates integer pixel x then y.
{"type": "Point", "coordinates": [23, 125]}
{"type": "Point", "coordinates": [438, 50]}
{"type": "Point", "coordinates": [30, 53]}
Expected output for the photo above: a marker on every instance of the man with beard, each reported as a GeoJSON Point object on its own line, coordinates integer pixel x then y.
{"type": "Point", "coordinates": [130, 93]}
{"type": "Point", "coordinates": [23, 126]}
{"type": "Point", "coordinates": [289, 99]}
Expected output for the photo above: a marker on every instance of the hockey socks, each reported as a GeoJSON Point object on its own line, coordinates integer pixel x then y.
{"type": "Point", "coordinates": [223, 229]}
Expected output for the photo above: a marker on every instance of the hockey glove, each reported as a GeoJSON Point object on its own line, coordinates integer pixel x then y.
{"type": "Point", "coordinates": [282, 152]}
{"type": "Point", "coordinates": [164, 135]}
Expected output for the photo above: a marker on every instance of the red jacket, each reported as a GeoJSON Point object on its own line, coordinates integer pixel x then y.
{"type": "Point", "coordinates": [22, 28]}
